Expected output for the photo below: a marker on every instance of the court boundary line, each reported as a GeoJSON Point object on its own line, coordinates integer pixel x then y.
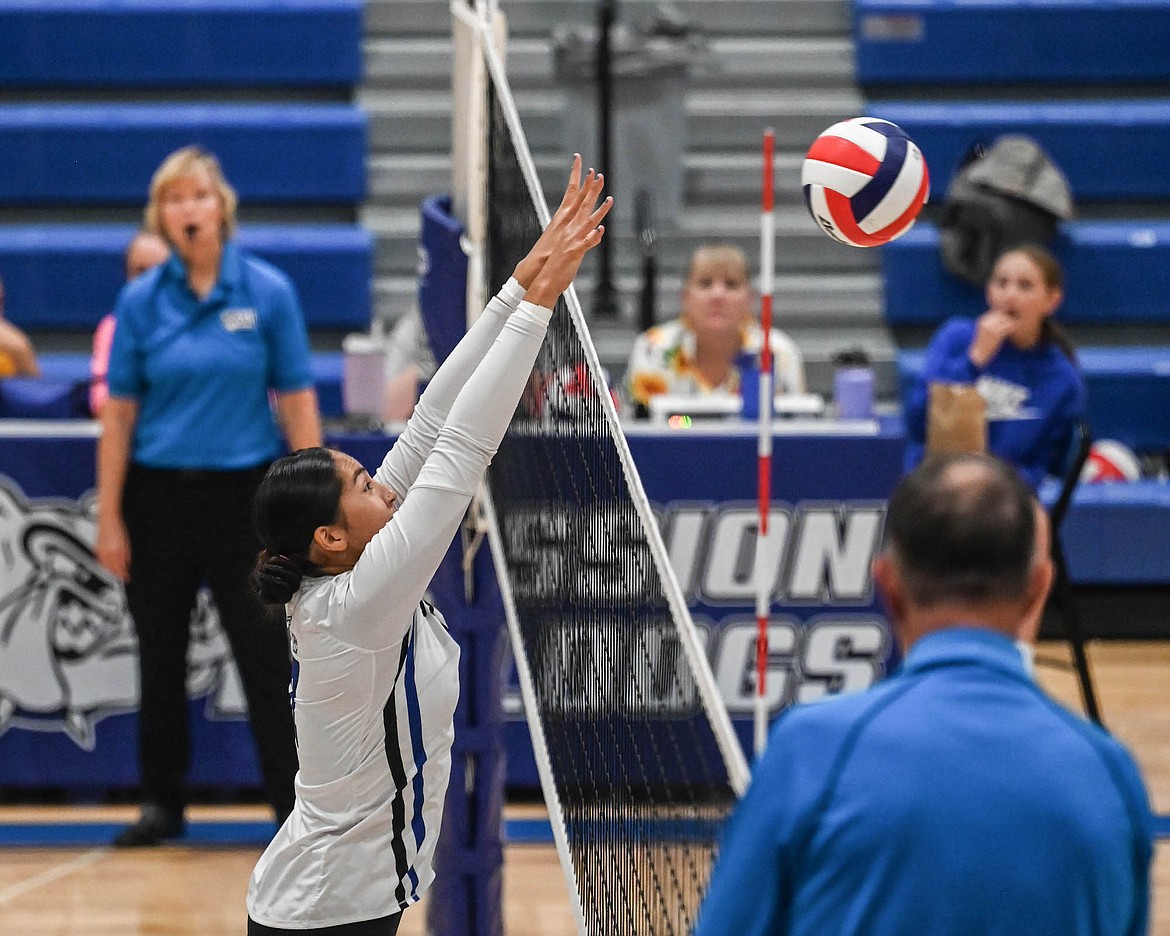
{"type": "Point", "coordinates": [38, 881]}
{"type": "Point", "coordinates": [213, 833]}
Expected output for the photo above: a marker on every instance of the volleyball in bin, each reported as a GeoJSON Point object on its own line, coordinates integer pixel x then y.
{"type": "Point", "coordinates": [864, 181]}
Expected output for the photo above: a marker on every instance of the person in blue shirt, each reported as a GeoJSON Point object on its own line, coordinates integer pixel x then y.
{"type": "Point", "coordinates": [209, 379]}
{"type": "Point", "coordinates": [955, 798]}
{"type": "Point", "coordinates": [1018, 358]}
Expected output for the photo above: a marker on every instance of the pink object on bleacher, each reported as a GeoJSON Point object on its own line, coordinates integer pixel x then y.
{"type": "Point", "coordinates": [99, 364]}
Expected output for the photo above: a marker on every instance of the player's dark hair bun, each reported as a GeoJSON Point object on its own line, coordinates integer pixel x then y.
{"type": "Point", "coordinates": [276, 578]}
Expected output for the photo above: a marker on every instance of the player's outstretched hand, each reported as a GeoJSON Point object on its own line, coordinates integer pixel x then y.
{"type": "Point", "coordinates": [574, 230]}
{"type": "Point", "coordinates": [527, 268]}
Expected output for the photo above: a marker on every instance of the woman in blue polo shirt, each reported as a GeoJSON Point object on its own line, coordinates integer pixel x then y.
{"type": "Point", "coordinates": [1020, 361]}
{"type": "Point", "coordinates": [187, 434]}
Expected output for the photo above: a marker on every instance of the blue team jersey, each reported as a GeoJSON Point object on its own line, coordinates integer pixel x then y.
{"type": "Point", "coordinates": [1034, 399]}
{"type": "Point", "coordinates": [200, 370]}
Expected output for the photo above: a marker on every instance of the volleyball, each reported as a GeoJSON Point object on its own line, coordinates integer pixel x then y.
{"type": "Point", "coordinates": [1110, 460]}
{"type": "Point", "coordinates": [864, 181]}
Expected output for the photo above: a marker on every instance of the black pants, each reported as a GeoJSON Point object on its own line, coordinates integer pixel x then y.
{"type": "Point", "coordinates": [383, 926]}
{"type": "Point", "coordinates": [187, 528]}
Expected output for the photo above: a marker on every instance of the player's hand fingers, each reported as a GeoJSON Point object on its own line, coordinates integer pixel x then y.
{"type": "Point", "coordinates": [600, 212]}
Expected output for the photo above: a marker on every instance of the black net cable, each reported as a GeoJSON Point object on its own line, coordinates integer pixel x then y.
{"type": "Point", "coordinates": [640, 779]}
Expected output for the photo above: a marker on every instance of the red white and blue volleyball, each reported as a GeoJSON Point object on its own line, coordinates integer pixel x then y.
{"type": "Point", "coordinates": [864, 181]}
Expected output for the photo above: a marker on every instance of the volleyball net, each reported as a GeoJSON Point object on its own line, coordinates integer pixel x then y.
{"type": "Point", "coordinates": [637, 759]}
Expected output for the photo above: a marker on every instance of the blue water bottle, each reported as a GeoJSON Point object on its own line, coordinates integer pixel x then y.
{"type": "Point", "coordinates": [748, 365]}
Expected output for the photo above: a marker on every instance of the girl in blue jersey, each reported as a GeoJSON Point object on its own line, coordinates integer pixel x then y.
{"type": "Point", "coordinates": [375, 671]}
{"type": "Point", "coordinates": [1018, 358]}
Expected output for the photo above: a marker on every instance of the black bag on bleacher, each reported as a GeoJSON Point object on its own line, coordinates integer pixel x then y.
{"type": "Point", "coordinates": [1012, 193]}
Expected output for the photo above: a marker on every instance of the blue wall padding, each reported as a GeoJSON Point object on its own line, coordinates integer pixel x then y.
{"type": "Point", "coordinates": [177, 43]}
{"type": "Point", "coordinates": [442, 285]}
{"type": "Point", "coordinates": [328, 375]}
{"type": "Point", "coordinates": [1117, 272]}
{"type": "Point", "coordinates": [1114, 534]}
{"type": "Point", "coordinates": [84, 154]}
{"type": "Point", "coordinates": [61, 277]}
{"type": "Point", "coordinates": [1128, 388]}
{"type": "Point", "coordinates": [1112, 150]}
{"type": "Point", "coordinates": [1023, 42]}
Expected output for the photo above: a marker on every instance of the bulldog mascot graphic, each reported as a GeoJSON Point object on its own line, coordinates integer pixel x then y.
{"type": "Point", "coordinates": [67, 644]}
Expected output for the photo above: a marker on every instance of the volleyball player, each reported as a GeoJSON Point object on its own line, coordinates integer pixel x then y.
{"type": "Point", "coordinates": [375, 676]}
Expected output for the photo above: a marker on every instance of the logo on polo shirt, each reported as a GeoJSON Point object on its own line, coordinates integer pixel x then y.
{"type": "Point", "coordinates": [234, 320]}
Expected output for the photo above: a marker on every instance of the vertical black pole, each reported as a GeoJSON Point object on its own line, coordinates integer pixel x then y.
{"type": "Point", "coordinates": [646, 235]}
{"type": "Point", "coordinates": [605, 299]}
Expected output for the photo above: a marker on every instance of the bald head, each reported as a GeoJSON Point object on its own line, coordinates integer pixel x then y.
{"type": "Point", "coordinates": [963, 529]}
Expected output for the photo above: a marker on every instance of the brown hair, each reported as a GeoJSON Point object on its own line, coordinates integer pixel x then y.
{"type": "Point", "coordinates": [1053, 274]}
{"type": "Point", "coordinates": [183, 162]}
{"type": "Point", "coordinates": [963, 529]}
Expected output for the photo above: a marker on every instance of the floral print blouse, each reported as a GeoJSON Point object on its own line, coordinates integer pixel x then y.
{"type": "Point", "coordinates": [662, 361]}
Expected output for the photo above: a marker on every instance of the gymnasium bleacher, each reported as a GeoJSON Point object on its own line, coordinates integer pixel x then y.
{"type": "Point", "coordinates": [1024, 42]}
{"type": "Point", "coordinates": [98, 93]}
{"type": "Point", "coordinates": [1090, 81]}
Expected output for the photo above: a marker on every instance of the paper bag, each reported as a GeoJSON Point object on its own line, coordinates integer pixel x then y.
{"type": "Point", "coordinates": [956, 419]}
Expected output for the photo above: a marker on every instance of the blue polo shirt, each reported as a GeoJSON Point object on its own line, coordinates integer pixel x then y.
{"type": "Point", "coordinates": [200, 371]}
{"type": "Point", "coordinates": [953, 799]}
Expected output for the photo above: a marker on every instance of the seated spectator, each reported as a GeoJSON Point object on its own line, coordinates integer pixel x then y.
{"type": "Point", "coordinates": [145, 251]}
{"type": "Point", "coordinates": [1019, 360]}
{"type": "Point", "coordinates": [17, 358]}
{"type": "Point", "coordinates": [703, 350]}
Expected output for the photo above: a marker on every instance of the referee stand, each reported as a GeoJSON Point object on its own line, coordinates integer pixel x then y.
{"type": "Point", "coordinates": [466, 898]}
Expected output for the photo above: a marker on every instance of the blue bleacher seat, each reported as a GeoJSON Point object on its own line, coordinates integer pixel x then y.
{"type": "Point", "coordinates": [1113, 150]}
{"type": "Point", "coordinates": [1128, 390]}
{"type": "Point", "coordinates": [1117, 272]}
{"type": "Point", "coordinates": [1024, 42]}
{"type": "Point", "coordinates": [64, 277]}
{"type": "Point", "coordinates": [327, 376]}
{"type": "Point", "coordinates": [85, 154]}
{"type": "Point", "coordinates": [180, 43]}
{"type": "Point", "coordinates": [62, 371]}
{"type": "Point", "coordinates": [1115, 534]}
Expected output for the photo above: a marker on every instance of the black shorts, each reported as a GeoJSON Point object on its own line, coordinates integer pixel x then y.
{"type": "Point", "coordinates": [383, 926]}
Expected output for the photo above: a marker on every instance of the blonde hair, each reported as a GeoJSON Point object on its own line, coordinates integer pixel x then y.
{"type": "Point", "coordinates": [185, 162]}
{"type": "Point", "coordinates": [718, 256]}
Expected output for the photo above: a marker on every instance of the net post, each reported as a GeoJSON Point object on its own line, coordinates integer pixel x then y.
{"type": "Point", "coordinates": [764, 442]}
{"type": "Point", "coordinates": [467, 894]}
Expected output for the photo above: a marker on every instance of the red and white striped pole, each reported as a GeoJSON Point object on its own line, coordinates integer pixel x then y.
{"type": "Point", "coordinates": [764, 442]}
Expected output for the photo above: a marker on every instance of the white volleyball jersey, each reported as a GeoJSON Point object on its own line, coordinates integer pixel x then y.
{"type": "Point", "coordinates": [376, 673]}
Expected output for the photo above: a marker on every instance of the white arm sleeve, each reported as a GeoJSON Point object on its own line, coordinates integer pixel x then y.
{"type": "Point", "coordinates": [405, 459]}
{"type": "Point", "coordinates": [396, 567]}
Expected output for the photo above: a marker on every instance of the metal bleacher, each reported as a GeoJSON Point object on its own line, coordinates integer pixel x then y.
{"type": "Point", "coordinates": [1088, 79]}
{"type": "Point", "coordinates": [96, 94]}
{"type": "Point", "coordinates": [781, 63]}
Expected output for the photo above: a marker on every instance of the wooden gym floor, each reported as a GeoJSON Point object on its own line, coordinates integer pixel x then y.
{"type": "Point", "coordinates": [199, 891]}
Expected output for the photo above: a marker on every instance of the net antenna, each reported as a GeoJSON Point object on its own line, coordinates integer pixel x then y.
{"type": "Point", "coordinates": [764, 440]}
{"type": "Point", "coordinates": [636, 754]}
